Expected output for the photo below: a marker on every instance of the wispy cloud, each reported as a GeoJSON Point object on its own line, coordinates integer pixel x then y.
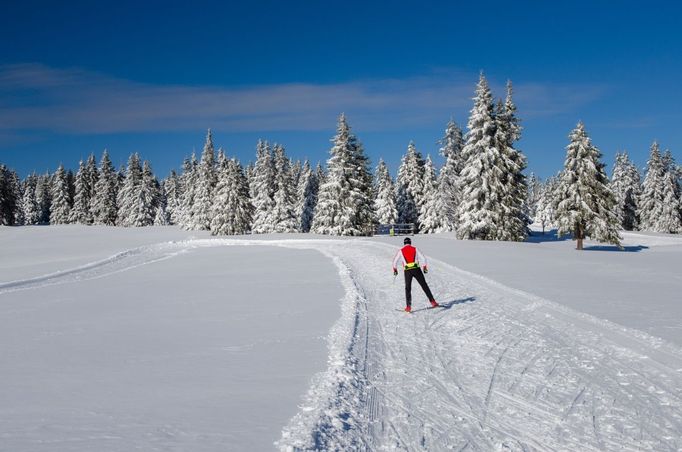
{"type": "Point", "coordinates": [34, 96]}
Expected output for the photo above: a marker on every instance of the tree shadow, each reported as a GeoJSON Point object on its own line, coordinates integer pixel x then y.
{"type": "Point", "coordinates": [624, 249]}
{"type": "Point", "coordinates": [548, 236]}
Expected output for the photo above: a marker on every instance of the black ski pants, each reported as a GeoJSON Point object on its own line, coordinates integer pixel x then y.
{"type": "Point", "coordinates": [417, 274]}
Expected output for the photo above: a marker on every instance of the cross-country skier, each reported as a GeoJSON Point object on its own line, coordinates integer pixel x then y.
{"type": "Point", "coordinates": [411, 260]}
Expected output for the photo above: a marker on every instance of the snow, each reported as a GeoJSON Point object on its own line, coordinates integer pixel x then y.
{"type": "Point", "coordinates": [210, 350]}
{"type": "Point", "coordinates": [191, 366]}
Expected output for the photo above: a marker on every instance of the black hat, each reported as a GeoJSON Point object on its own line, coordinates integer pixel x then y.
{"type": "Point", "coordinates": [407, 241]}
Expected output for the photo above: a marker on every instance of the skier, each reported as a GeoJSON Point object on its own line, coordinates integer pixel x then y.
{"type": "Point", "coordinates": [411, 260]}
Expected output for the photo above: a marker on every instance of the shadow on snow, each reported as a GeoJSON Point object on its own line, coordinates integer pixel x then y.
{"type": "Point", "coordinates": [448, 304]}
{"type": "Point", "coordinates": [551, 236]}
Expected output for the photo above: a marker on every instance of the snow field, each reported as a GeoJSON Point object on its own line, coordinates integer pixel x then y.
{"type": "Point", "coordinates": [495, 369]}
{"type": "Point", "coordinates": [208, 351]}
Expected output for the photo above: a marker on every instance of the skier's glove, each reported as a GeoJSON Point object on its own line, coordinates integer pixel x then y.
{"type": "Point", "coordinates": [426, 269]}
{"type": "Point", "coordinates": [395, 272]}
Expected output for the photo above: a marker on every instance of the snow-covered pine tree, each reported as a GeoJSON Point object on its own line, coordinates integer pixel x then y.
{"type": "Point", "coordinates": [507, 132]}
{"type": "Point", "coordinates": [9, 202]}
{"type": "Point", "coordinates": [482, 182]}
{"type": "Point", "coordinates": [671, 167]}
{"type": "Point", "coordinates": [231, 211]}
{"type": "Point", "coordinates": [409, 186]}
{"type": "Point", "coordinates": [263, 187]}
{"type": "Point", "coordinates": [296, 170]}
{"type": "Point", "coordinates": [91, 176]}
{"type": "Point", "coordinates": [670, 220]}
{"type": "Point", "coordinates": [104, 208]}
{"type": "Point", "coordinates": [146, 198]}
{"type": "Point", "coordinates": [431, 212]}
{"type": "Point", "coordinates": [44, 197]}
{"type": "Point", "coordinates": [17, 193]}
{"type": "Point", "coordinates": [127, 200]}
{"type": "Point", "coordinates": [344, 200]}
{"type": "Point", "coordinates": [284, 214]}
{"type": "Point", "coordinates": [321, 174]}
{"type": "Point", "coordinates": [71, 187]}
{"type": "Point", "coordinates": [4, 210]}
{"type": "Point", "coordinates": [533, 196]}
{"type": "Point", "coordinates": [162, 216]}
{"type": "Point", "coordinates": [188, 184]}
{"type": "Point", "coordinates": [244, 207]}
{"type": "Point", "coordinates": [172, 193]}
{"type": "Point", "coordinates": [451, 149]}
{"type": "Point", "coordinates": [205, 185]}
{"type": "Point", "coordinates": [12, 194]}
{"type": "Point", "coordinates": [307, 197]}
{"type": "Point", "coordinates": [626, 186]}
{"type": "Point", "coordinates": [547, 200]}
{"type": "Point", "coordinates": [60, 212]}
{"type": "Point", "coordinates": [586, 206]}
{"type": "Point", "coordinates": [30, 205]}
{"type": "Point", "coordinates": [384, 195]}
{"type": "Point", "coordinates": [248, 173]}
{"type": "Point", "coordinates": [651, 198]}
{"type": "Point", "coordinates": [82, 200]}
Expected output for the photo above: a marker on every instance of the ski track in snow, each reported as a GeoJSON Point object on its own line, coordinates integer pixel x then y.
{"type": "Point", "coordinates": [493, 369]}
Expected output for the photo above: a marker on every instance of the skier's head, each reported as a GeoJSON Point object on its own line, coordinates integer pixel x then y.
{"type": "Point", "coordinates": [407, 241]}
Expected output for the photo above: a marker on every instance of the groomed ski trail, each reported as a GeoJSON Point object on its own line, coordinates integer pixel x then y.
{"type": "Point", "coordinates": [494, 369]}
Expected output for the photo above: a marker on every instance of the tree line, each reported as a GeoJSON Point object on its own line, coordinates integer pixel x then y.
{"type": "Point", "coordinates": [480, 192]}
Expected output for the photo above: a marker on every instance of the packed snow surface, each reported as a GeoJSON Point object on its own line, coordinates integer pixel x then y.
{"type": "Point", "coordinates": [158, 345]}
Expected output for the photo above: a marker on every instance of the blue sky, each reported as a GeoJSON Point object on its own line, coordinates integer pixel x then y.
{"type": "Point", "coordinates": [152, 76]}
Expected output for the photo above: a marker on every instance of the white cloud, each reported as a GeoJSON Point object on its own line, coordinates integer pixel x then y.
{"type": "Point", "coordinates": [34, 96]}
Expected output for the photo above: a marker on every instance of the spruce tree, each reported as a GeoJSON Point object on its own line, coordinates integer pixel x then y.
{"type": "Point", "coordinates": [670, 220]}
{"type": "Point", "coordinates": [172, 192]}
{"type": "Point", "coordinates": [547, 200]}
{"type": "Point", "coordinates": [189, 186]}
{"type": "Point", "coordinates": [127, 200]}
{"type": "Point", "coordinates": [71, 187]}
{"type": "Point", "coordinates": [263, 189]}
{"type": "Point", "coordinates": [91, 178]}
{"type": "Point", "coordinates": [384, 196]}
{"type": "Point", "coordinates": [3, 195]}
{"type": "Point", "coordinates": [205, 185]}
{"type": "Point", "coordinates": [143, 196]}
{"type": "Point", "coordinates": [104, 208]}
{"type": "Point", "coordinates": [431, 212]}
{"type": "Point", "coordinates": [626, 186]}
{"type": "Point", "coordinates": [586, 205]}
{"type": "Point", "coordinates": [296, 170]}
{"type": "Point", "coordinates": [44, 197]}
{"type": "Point", "coordinates": [533, 196]}
{"type": "Point", "coordinates": [483, 180]}
{"type": "Point", "coordinates": [344, 201]}
{"type": "Point", "coordinates": [9, 203]}
{"type": "Point", "coordinates": [81, 212]}
{"type": "Point", "coordinates": [515, 221]}
{"type": "Point", "coordinates": [17, 190]}
{"type": "Point", "coordinates": [451, 149]}
{"type": "Point", "coordinates": [162, 215]}
{"type": "Point", "coordinates": [4, 211]}
{"type": "Point", "coordinates": [29, 202]}
{"type": "Point", "coordinates": [651, 200]}
{"type": "Point", "coordinates": [307, 197]}
{"type": "Point", "coordinates": [231, 211]}
{"type": "Point", "coordinates": [284, 214]}
{"type": "Point", "coordinates": [410, 186]}
{"type": "Point", "coordinates": [60, 212]}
